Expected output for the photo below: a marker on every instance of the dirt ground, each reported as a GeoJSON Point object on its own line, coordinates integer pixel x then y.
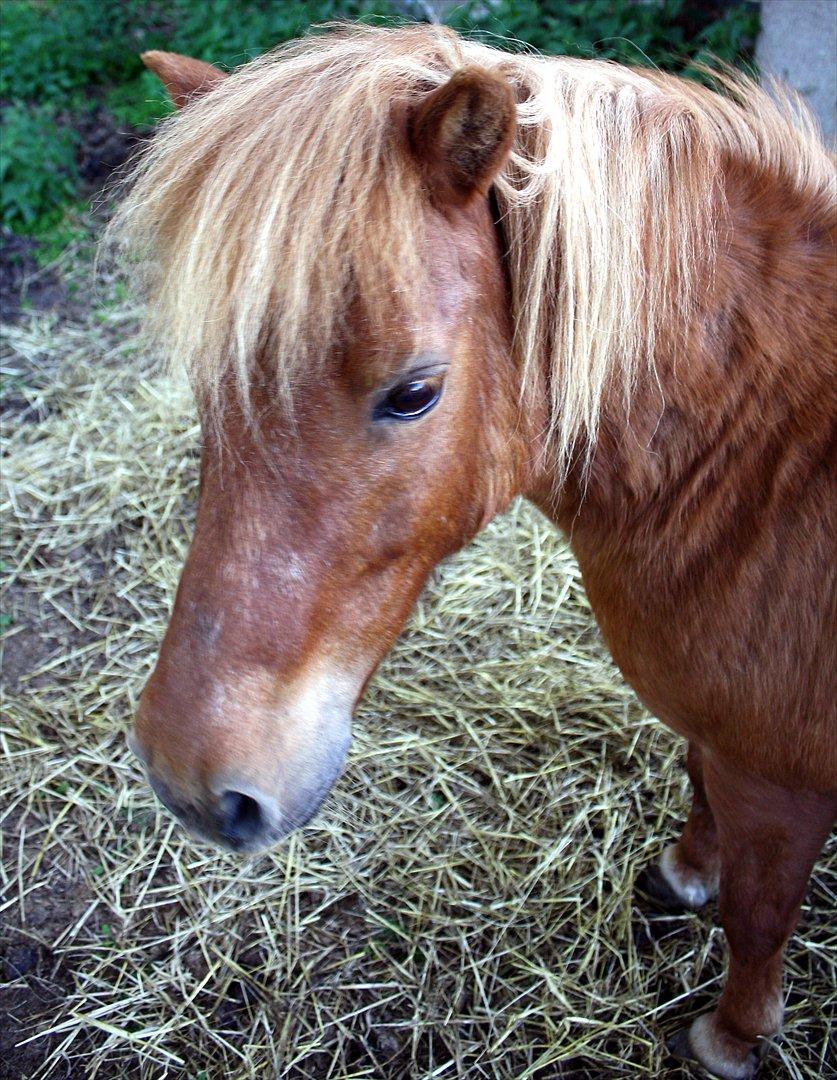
{"type": "Point", "coordinates": [462, 907]}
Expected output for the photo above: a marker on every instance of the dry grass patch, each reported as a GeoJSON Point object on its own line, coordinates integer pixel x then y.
{"type": "Point", "coordinates": [462, 906]}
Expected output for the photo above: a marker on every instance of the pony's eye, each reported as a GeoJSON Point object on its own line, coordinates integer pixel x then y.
{"type": "Point", "coordinates": [411, 399]}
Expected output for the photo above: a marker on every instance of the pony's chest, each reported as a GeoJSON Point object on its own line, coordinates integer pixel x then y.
{"type": "Point", "coordinates": [737, 660]}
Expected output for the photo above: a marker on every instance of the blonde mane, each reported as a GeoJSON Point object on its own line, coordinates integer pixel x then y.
{"type": "Point", "coordinates": [264, 209]}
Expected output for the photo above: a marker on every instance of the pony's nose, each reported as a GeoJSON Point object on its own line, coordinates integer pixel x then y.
{"type": "Point", "coordinates": [242, 819]}
{"type": "Point", "coordinates": [239, 820]}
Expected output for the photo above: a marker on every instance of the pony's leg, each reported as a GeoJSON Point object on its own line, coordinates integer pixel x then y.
{"type": "Point", "coordinates": [686, 875]}
{"type": "Point", "coordinates": [769, 838]}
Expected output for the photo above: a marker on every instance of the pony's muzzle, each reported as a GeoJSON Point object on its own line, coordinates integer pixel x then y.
{"type": "Point", "coordinates": [233, 812]}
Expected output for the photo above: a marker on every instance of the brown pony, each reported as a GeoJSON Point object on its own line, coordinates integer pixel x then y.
{"type": "Point", "coordinates": [413, 277]}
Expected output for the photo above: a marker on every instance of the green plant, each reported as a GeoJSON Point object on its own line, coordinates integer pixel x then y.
{"type": "Point", "coordinates": [139, 103]}
{"type": "Point", "coordinates": [224, 32]}
{"type": "Point", "coordinates": [53, 51]}
{"type": "Point", "coordinates": [669, 34]}
{"type": "Point", "coordinates": [49, 50]}
{"type": "Point", "coordinates": [38, 175]}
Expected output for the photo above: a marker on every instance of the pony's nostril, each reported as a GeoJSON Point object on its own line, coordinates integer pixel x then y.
{"type": "Point", "coordinates": [241, 818]}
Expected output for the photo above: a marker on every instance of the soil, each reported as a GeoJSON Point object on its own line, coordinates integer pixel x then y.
{"type": "Point", "coordinates": [24, 285]}
{"type": "Point", "coordinates": [105, 147]}
{"type": "Point", "coordinates": [33, 980]}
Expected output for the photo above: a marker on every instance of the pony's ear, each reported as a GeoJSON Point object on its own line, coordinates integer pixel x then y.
{"type": "Point", "coordinates": [184, 78]}
{"type": "Point", "coordinates": [462, 133]}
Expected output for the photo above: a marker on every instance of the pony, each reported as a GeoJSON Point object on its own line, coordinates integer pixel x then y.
{"type": "Point", "coordinates": [412, 277]}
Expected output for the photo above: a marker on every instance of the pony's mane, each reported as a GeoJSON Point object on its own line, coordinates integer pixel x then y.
{"type": "Point", "coordinates": [266, 208]}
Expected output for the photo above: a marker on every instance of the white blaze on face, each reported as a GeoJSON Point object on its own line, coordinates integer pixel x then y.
{"type": "Point", "coordinates": [284, 738]}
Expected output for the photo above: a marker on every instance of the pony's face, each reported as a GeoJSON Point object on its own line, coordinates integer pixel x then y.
{"type": "Point", "coordinates": [318, 526]}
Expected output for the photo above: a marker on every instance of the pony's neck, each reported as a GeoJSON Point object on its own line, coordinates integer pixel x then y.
{"type": "Point", "coordinates": [752, 364]}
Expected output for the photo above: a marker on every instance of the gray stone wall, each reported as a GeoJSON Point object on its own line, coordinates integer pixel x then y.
{"type": "Point", "coordinates": [798, 42]}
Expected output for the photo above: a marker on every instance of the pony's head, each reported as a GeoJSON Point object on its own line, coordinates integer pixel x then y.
{"type": "Point", "coordinates": [329, 268]}
{"type": "Point", "coordinates": [408, 275]}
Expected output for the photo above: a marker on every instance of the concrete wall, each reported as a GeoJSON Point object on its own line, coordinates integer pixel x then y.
{"type": "Point", "coordinates": [798, 43]}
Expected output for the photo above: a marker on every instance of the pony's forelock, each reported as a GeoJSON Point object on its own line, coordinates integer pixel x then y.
{"type": "Point", "coordinates": [261, 212]}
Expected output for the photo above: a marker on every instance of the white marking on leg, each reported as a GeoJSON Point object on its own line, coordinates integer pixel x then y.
{"type": "Point", "coordinates": [688, 884]}
{"type": "Point", "coordinates": [717, 1052]}
{"type": "Point", "coordinates": [774, 1015]}
{"type": "Point", "coordinates": [708, 1047]}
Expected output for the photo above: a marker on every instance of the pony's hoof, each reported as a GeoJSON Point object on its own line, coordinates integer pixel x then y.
{"type": "Point", "coordinates": [654, 891]}
{"type": "Point", "coordinates": [698, 1044]}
